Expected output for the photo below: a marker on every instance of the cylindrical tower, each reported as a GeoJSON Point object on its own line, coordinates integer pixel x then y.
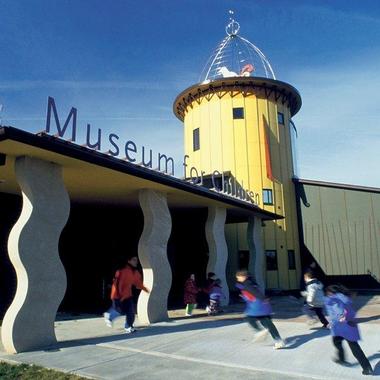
{"type": "Point", "coordinates": [239, 124]}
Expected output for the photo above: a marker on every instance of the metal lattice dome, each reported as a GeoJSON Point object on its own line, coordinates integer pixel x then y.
{"type": "Point", "coordinates": [235, 56]}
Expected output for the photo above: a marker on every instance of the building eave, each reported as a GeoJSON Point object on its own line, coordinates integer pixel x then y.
{"type": "Point", "coordinates": [68, 149]}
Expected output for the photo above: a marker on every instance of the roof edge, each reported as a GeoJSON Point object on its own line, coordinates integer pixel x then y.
{"type": "Point", "coordinates": [335, 185]}
{"type": "Point", "coordinates": [69, 149]}
{"type": "Point", "coordinates": [271, 86]}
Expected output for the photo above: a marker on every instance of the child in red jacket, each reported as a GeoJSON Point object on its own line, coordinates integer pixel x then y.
{"type": "Point", "coordinates": [121, 294]}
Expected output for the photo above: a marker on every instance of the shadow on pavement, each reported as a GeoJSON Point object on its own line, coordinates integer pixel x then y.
{"type": "Point", "coordinates": [367, 319]}
{"type": "Point", "coordinates": [376, 367]}
{"type": "Point", "coordinates": [171, 327]}
{"type": "Point", "coordinates": [287, 307]}
{"type": "Point", "coordinates": [359, 301]}
{"type": "Point", "coordinates": [298, 340]}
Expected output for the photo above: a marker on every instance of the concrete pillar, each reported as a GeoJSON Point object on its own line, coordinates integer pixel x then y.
{"type": "Point", "coordinates": [256, 264]}
{"type": "Point", "coordinates": [217, 245]}
{"type": "Point", "coordinates": [153, 256]}
{"type": "Point", "coordinates": [233, 264]}
{"type": "Point", "coordinates": [33, 250]}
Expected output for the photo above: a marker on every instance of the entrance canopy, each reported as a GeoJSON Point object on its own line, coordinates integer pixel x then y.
{"type": "Point", "coordinates": [50, 173]}
{"type": "Point", "coordinates": [94, 177]}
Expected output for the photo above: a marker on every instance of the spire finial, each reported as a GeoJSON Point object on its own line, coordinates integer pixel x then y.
{"type": "Point", "coordinates": [232, 29]}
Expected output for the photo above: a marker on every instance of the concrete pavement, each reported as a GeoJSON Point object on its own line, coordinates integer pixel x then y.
{"type": "Point", "coordinates": [203, 347]}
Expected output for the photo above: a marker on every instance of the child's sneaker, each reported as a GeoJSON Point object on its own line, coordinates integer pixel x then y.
{"type": "Point", "coordinates": [279, 344]}
{"type": "Point", "coordinates": [260, 336]}
{"type": "Point", "coordinates": [129, 330]}
{"type": "Point", "coordinates": [312, 321]}
{"type": "Point", "coordinates": [107, 320]}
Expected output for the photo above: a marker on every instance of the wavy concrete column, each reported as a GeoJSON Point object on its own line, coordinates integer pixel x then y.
{"type": "Point", "coordinates": [33, 250]}
{"type": "Point", "coordinates": [153, 256]}
{"type": "Point", "coordinates": [256, 251]}
{"type": "Point", "coordinates": [217, 245]}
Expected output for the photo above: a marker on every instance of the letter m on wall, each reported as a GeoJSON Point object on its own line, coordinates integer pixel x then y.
{"type": "Point", "coordinates": [61, 131]}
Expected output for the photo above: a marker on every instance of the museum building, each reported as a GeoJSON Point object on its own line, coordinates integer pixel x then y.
{"type": "Point", "coordinates": [72, 214]}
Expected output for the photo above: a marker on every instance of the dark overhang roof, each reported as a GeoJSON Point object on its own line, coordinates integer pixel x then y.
{"type": "Point", "coordinates": [337, 185]}
{"type": "Point", "coordinates": [69, 149]}
{"type": "Point", "coordinates": [247, 85]}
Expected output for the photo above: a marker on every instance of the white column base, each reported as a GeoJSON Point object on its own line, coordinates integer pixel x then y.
{"type": "Point", "coordinates": [218, 252]}
{"type": "Point", "coordinates": [33, 250]}
{"type": "Point", "coordinates": [152, 250]}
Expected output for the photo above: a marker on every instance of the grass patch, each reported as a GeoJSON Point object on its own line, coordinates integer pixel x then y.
{"type": "Point", "coordinates": [32, 372]}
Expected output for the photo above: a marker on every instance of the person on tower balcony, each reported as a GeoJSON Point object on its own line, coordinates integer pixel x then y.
{"type": "Point", "coordinates": [247, 70]}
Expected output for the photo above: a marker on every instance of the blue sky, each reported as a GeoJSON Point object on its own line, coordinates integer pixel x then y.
{"type": "Point", "coordinates": [122, 63]}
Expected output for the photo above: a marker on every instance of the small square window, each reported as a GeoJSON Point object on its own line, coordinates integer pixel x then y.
{"type": "Point", "coordinates": [267, 196]}
{"type": "Point", "coordinates": [271, 260]}
{"type": "Point", "coordinates": [291, 259]}
{"type": "Point", "coordinates": [280, 118]}
{"type": "Point", "coordinates": [238, 113]}
{"type": "Point", "coordinates": [196, 143]}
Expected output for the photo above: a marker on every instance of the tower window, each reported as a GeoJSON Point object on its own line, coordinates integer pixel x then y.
{"type": "Point", "coordinates": [238, 113]}
{"type": "Point", "coordinates": [196, 144]}
{"type": "Point", "coordinates": [280, 118]}
{"type": "Point", "coordinates": [291, 259]}
{"type": "Point", "coordinates": [267, 196]}
{"type": "Point", "coordinates": [271, 259]}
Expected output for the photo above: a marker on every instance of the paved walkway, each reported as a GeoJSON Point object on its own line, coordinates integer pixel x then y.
{"type": "Point", "coordinates": [205, 347]}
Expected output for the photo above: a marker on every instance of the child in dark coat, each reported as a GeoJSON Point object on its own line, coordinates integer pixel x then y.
{"type": "Point", "coordinates": [258, 309]}
{"type": "Point", "coordinates": [215, 294]}
{"type": "Point", "coordinates": [190, 295]}
{"type": "Point", "coordinates": [205, 294]}
{"type": "Point", "coordinates": [209, 282]}
{"type": "Point", "coordinates": [344, 326]}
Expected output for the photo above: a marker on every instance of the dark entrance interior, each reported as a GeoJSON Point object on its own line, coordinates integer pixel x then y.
{"type": "Point", "coordinates": [9, 213]}
{"type": "Point", "coordinates": [187, 251]}
{"type": "Point", "coordinates": [97, 240]}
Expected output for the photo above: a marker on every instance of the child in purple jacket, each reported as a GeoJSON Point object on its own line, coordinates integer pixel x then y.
{"type": "Point", "coordinates": [344, 326]}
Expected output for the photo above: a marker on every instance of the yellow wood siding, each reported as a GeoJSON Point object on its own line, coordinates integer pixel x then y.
{"type": "Point", "coordinates": [341, 230]}
{"type": "Point", "coordinates": [239, 146]}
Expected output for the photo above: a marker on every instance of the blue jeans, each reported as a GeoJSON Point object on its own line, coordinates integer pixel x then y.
{"type": "Point", "coordinates": [125, 307]}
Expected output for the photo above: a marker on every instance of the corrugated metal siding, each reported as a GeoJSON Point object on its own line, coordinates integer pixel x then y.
{"type": "Point", "coordinates": [342, 230]}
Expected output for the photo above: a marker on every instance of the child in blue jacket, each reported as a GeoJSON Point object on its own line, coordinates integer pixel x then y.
{"type": "Point", "coordinates": [344, 326]}
{"type": "Point", "coordinates": [258, 309]}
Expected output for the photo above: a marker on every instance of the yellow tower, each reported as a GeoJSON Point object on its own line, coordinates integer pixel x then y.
{"type": "Point", "coordinates": [237, 130]}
